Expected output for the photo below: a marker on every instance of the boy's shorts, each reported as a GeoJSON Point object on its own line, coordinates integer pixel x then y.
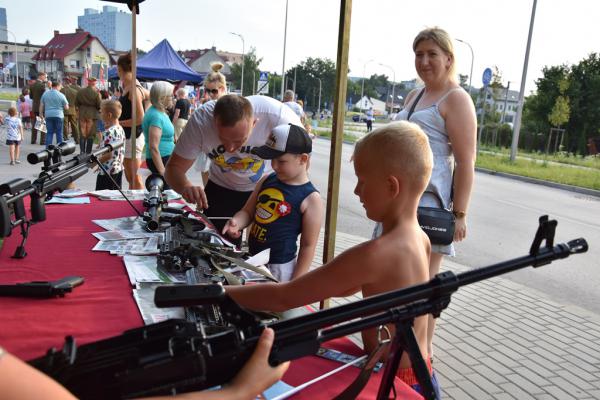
{"type": "Point", "coordinates": [15, 142]}
{"type": "Point", "coordinates": [282, 272]}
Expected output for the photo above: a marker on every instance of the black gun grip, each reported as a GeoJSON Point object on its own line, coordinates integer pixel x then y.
{"type": "Point", "coordinates": [188, 295]}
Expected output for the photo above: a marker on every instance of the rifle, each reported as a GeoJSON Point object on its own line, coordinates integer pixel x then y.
{"type": "Point", "coordinates": [56, 175]}
{"type": "Point", "coordinates": [42, 289]}
{"type": "Point", "coordinates": [176, 356]}
{"type": "Point", "coordinates": [154, 202]}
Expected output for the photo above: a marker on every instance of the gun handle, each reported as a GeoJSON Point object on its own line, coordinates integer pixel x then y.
{"type": "Point", "coordinates": [38, 208]}
{"type": "Point", "coordinates": [5, 225]}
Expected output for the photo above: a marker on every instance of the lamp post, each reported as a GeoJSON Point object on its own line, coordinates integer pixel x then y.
{"type": "Point", "coordinates": [362, 89]}
{"type": "Point", "coordinates": [284, 43]}
{"type": "Point", "coordinates": [151, 43]}
{"type": "Point", "coordinates": [393, 86]}
{"type": "Point", "coordinates": [243, 54]}
{"type": "Point", "coordinates": [472, 61]}
{"type": "Point", "coordinates": [16, 56]}
{"type": "Point", "coordinates": [319, 107]}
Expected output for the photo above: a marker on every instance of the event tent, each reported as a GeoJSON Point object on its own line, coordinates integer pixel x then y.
{"type": "Point", "coordinates": [163, 63]}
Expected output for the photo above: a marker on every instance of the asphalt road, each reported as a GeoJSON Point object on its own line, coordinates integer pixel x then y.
{"type": "Point", "coordinates": [502, 222]}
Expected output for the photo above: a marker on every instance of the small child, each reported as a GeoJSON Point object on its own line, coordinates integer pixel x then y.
{"type": "Point", "coordinates": [283, 205]}
{"type": "Point", "coordinates": [393, 165]}
{"type": "Point", "coordinates": [110, 111]}
{"type": "Point", "coordinates": [14, 135]}
{"type": "Point", "coordinates": [25, 110]}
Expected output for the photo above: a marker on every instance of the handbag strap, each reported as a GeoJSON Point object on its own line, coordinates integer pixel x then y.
{"type": "Point", "coordinates": [414, 104]}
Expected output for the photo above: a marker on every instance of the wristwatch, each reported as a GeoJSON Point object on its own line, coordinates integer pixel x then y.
{"type": "Point", "coordinates": [459, 214]}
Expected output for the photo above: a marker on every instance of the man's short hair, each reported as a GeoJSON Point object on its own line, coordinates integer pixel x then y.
{"type": "Point", "coordinates": [288, 95]}
{"type": "Point", "coordinates": [112, 106]}
{"type": "Point", "coordinates": [41, 74]}
{"type": "Point", "coordinates": [56, 83]}
{"type": "Point", "coordinates": [400, 149]}
{"type": "Point", "coordinates": [231, 108]}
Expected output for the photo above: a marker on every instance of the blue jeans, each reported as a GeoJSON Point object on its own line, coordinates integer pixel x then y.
{"type": "Point", "coordinates": [54, 125]}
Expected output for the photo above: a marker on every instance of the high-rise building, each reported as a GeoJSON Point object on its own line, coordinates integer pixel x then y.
{"type": "Point", "coordinates": [3, 25]}
{"type": "Point", "coordinates": [111, 26]}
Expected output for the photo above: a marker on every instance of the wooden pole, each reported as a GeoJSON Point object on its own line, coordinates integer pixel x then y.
{"type": "Point", "coordinates": [133, 93]}
{"type": "Point", "coordinates": [337, 135]}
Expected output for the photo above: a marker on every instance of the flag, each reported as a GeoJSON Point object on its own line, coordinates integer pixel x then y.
{"type": "Point", "coordinates": [86, 74]}
{"type": "Point", "coordinates": [101, 73]}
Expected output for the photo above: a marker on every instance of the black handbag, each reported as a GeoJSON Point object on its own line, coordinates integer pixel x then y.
{"type": "Point", "coordinates": [436, 222]}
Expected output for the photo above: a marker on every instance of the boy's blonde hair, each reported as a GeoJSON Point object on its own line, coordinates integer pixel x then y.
{"type": "Point", "coordinates": [12, 111]}
{"type": "Point", "coordinates": [112, 106]}
{"type": "Point", "coordinates": [400, 149]}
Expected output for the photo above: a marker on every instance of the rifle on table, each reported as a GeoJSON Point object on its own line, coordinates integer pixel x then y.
{"type": "Point", "coordinates": [56, 175]}
{"type": "Point", "coordinates": [177, 356]}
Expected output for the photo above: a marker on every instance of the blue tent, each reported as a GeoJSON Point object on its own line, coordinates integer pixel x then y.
{"type": "Point", "coordinates": [163, 63]}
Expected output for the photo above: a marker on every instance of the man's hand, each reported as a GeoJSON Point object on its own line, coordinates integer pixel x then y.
{"type": "Point", "coordinates": [232, 229]}
{"type": "Point", "coordinates": [257, 375]}
{"type": "Point", "coordinates": [195, 195]}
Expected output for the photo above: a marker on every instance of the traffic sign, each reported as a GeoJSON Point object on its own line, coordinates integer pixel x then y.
{"type": "Point", "coordinates": [487, 76]}
{"type": "Point", "coordinates": [264, 76]}
{"type": "Point", "coordinates": [263, 87]}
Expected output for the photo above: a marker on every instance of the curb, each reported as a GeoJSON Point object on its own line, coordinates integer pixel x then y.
{"type": "Point", "coordinates": [571, 188]}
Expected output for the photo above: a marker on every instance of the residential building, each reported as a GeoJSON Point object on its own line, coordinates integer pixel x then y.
{"type": "Point", "coordinates": [3, 25]}
{"type": "Point", "coordinates": [379, 107]}
{"type": "Point", "coordinates": [201, 59]}
{"type": "Point", "coordinates": [25, 51]}
{"type": "Point", "coordinates": [71, 53]}
{"type": "Point", "coordinates": [497, 100]}
{"type": "Point", "coordinates": [112, 26]}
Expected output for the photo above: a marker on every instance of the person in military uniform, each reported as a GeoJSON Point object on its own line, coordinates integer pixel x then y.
{"type": "Point", "coordinates": [36, 90]}
{"type": "Point", "coordinates": [87, 102]}
{"type": "Point", "coordinates": [70, 126]}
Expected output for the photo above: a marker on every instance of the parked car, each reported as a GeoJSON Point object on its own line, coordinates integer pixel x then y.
{"type": "Point", "coordinates": [359, 118]}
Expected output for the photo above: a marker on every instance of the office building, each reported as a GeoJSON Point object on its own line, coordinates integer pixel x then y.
{"type": "Point", "coordinates": [111, 26]}
{"type": "Point", "coordinates": [3, 25]}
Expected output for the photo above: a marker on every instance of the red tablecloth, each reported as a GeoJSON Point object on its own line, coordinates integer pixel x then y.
{"type": "Point", "coordinates": [103, 306]}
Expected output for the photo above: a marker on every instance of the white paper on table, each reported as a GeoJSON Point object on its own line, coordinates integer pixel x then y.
{"type": "Point", "coordinates": [120, 224]}
{"type": "Point", "coordinates": [69, 200]}
{"type": "Point", "coordinates": [70, 193]}
{"type": "Point", "coordinates": [261, 258]}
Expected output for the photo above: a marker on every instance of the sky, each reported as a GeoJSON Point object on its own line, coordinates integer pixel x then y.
{"type": "Point", "coordinates": [565, 32]}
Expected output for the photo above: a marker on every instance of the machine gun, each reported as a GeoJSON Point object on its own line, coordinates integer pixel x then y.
{"type": "Point", "coordinates": [176, 356]}
{"type": "Point", "coordinates": [56, 175]}
{"type": "Point", "coordinates": [154, 202]}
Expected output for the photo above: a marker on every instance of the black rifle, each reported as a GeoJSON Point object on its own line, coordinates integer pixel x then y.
{"type": "Point", "coordinates": [56, 175]}
{"type": "Point", "coordinates": [154, 202]}
{"type": "Point", "coordinates": [176, 356]}
{"type": "Point", "coordinates": [42, 289]}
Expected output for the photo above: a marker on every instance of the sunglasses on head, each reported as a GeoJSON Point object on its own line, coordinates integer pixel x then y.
{"type": "Point", "coordinates": [211, 91]}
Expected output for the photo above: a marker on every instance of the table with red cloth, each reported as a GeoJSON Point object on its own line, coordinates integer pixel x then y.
{"type": "Point", "coordinates": [104, 306]}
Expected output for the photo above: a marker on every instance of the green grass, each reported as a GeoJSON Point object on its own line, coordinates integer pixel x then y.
{"type": "Point", "coordinates": [541, 170]}
{"type": "Point", "coordinates": [8, 96]}
{"type": "Point", "coordinates": [560, 157]}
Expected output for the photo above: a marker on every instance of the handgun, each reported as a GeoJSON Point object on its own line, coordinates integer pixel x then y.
{"type": "Point", "coordinates": [42, 289]}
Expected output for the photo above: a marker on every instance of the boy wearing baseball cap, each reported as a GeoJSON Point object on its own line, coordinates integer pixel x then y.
{"type": "Point", "coordinates": [284, 204]}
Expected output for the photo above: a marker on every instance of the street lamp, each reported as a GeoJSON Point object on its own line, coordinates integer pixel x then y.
{"type": "Point", "coordinates": [362, 90]}
{"type": "Point", "coordinates": [284, 43]}
{"type": "Point", "coordinates": [243, 54]}
{"type": "Point", "coordinates": [16, 55]}
{"type": "Point", "coordinates": [393, 86]}
{"type": "Point", "coordinates": [319, 107]}
{"type": "Point", "coordinates": [472, 61]}
{"type": "Point", "coordinates": [151, 43]}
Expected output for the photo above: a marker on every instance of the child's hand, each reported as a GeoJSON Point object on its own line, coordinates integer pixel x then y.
{"type": "Point", "coordinates": [231, 229]}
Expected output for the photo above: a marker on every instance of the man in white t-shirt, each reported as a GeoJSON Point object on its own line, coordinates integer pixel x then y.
{"type": "Point", "coordinates": [226, 131]}
{"type": "Point", "coordinates": [288, 100]}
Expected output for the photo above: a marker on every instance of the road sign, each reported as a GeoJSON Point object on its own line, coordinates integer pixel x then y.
{"type": "Point", "coordinates": [263, 87]}
{"type": "Point", "coordinates": [487, 76]}
{"type": "Point", "coordinates": [264, 76]}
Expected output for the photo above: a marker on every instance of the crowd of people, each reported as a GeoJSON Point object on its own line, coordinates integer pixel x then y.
{"type": "Point", "coordinates": [256, 152]}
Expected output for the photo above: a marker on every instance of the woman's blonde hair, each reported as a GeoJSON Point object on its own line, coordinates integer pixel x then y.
{"type": "Point", "coordinates": [443, 40]}
{"type": "Point", "coordinates": [161, 94]}
{"type": "Point", "coordinates": [215, 76]}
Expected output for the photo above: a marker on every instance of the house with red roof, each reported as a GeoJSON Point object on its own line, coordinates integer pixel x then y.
{"type": "Point", "coordinates": [71, 53]}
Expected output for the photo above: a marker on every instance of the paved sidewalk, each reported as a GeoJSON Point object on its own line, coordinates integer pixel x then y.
{"type": "Point", "coordinates": [502, 340]}
{"type": "Point", "coordinates": [497, 339]}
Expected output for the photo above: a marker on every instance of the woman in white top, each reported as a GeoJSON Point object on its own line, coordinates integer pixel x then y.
{"type": "Point", "coordinates": [446, 114]}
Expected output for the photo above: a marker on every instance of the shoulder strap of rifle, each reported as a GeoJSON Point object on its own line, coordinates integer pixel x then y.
{"type": "Point", "coordinates": [414, 104]}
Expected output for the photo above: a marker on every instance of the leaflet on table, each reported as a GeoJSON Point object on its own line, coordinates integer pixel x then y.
{"type": "Point", "coordinates": [126, 234]}
{"type": "Point", "coordinates": [71, 193]}
{"type": "Point", "coordinates": [142, 269]}
{"type": "Point", "coordinates": [120, 224]}
{"type": "Point", "coordinates": [145, 246]}
{"type": "Point", "coordinates": [137, 194]}
{"type": "Point", "coordinates": [258, 260]}
{"type": "Point", "coordinates": [144, 298]}
{"type": "Point", "coordinates": [69, 200]}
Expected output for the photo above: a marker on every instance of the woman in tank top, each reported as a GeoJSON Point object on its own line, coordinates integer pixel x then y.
{"type": "Point", "coordinates": [446, 114]}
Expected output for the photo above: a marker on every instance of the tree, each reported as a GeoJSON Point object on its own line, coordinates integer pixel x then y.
{"type": "Point", "coordinates": [251, 72]}
{"type": "Point", "coordinates": [561, 110]}
{"type": "Point", "coordinates": [307, 84]}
